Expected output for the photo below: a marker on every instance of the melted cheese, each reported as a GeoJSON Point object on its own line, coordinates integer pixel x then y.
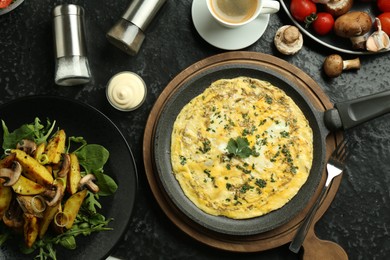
{"type": "Point", "coordinates": [241, 149]}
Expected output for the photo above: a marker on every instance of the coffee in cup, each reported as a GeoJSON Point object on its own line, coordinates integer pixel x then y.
{"type": "Point", "coordinates": [235, 13]}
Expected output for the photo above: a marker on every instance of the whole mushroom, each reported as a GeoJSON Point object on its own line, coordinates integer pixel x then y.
{"type": "Point", "coordinates": [338, 7]}
{"type": "Point", "coordinates": [354, 25]}
{"type": "Point", "coordinates": [288, 39]}
{"type": "Point", "coordinates": [88, 182]}
{"type": "Point", "coordinates": [334, 65]}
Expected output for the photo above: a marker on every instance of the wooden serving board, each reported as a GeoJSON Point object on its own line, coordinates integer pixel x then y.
{"type": "Point", "coordinates": [314, 248]}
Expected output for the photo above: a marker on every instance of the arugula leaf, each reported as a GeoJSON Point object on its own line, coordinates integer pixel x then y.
{"type": "Point", "coordinates": [78, 139]}
{"type": "Point", "coordinates": [34, 131]}
{"type": "Point", "coordinates": [91, 202]}
{"type": "Point", "coordinates": [239, 147]}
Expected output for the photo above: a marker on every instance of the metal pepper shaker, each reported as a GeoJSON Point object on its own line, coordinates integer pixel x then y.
{"type": "Point", "coordinates": [72, 66]}
{"type": "Point", "coordinates": [128, 33]}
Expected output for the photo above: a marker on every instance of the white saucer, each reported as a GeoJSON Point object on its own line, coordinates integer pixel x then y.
{"type": "Point", "coordinates": [222, 37]}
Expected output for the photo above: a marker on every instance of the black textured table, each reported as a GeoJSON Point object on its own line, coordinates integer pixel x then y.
{"type": "Point", "coordinates": [359, 217]}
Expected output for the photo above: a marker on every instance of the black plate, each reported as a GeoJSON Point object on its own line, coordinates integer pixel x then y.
{"type": "Point", "coordinates": [331, 40]}
{"type": "Point", "coordinates": [162, 142]}
{"type": "Point", "coordinates": [79, 119]}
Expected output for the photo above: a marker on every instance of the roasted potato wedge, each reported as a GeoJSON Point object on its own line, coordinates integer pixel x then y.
{"type": "Point", "coordinates": [55, 147]}
{"type": "Point", "coordinates": [48, 217]}
{"type": "Point", "coordinates": [30, 229]}
{"type": "Point", "coordinates": [32, 205]}
{"type": "Point", "coordinates": [74, 175]}
{"type": "Point", "coordinates": [25, 186]}
{"type": "Point", "coordinates": [5, 198]}
{"type": "Point", "coordinates": [72, 206]}
{"type": "Point", "coordinates": [6, 162]}
{"type": "Point", "coordinates": [39, 151]}
{"type": "Point", "coordinates": [32, 169]}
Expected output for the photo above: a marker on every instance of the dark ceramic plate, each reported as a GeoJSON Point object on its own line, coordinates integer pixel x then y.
{"type": "Point", "coordinates": [79, 119]}
{"type": "Point", "coordinates": [162, 142]}
{"type": "Point", "coordinates": [331, 40]}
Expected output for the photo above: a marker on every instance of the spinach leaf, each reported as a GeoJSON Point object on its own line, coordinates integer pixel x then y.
{"type": "Point", "coordinates": [92, 157]}
{"type": "Point", "coordinates": [107, 185]}
{"type": "Point", "coordinates": [68, 242]}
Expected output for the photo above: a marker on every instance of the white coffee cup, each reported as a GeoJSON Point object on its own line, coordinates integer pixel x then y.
{"type": "Point", "coordinates": [236, 13]}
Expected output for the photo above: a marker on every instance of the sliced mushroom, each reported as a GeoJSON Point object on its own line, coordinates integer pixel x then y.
{"type": "Point", "coordinates": [26, 145]}
{"type": "Point", "coordinates": [354, 25]}
{"type": "Point", "coordinates": [11, 175]}
{"type": "Point", "coordinates": [55, 194]}
{"type": "Point", "coordinates": [88, 182]}
{"type": "Point", "coordinates": [378, 40]}
{"type": "Point", "coordinates": [288, 39]}
{"type": "Point", "coordinates": [13, 217]}
{"type": "Point", "coordinates": [338, 7]}
{"type": "Point", "coordinates": [334, 65]}
{"type": "Point", "coordinates": [65, 166]}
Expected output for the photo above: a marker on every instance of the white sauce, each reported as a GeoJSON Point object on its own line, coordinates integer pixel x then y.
{"type": "Point", "coordinates": [126, 91]}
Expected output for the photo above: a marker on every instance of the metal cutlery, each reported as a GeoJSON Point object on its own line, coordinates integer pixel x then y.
{"type": "Point", "coordinates": [334, 167]}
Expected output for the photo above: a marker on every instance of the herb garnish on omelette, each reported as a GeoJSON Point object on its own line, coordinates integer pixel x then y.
{"type": "Point", "coordinates": [241, 149]}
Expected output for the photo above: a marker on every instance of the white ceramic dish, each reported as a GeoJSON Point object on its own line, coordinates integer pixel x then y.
{"type": "Point", "coordinates": [222, 37]}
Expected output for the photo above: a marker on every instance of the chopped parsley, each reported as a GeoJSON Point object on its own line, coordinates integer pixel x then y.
{"type": "Point", "coordinates": [206, 146]}
{"type": "Point", "coordinates": [183, 160]}
{"type": "Point", "coordinates": [261, 183]}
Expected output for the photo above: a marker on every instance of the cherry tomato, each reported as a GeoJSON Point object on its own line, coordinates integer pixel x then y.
{"type": "Point", "coordinates": [383, 5]}
{"type": "Point", "coordinates": [5, 3]}
{"type": "Point", "coordinates": [385, 22]}
{"type": "Point", "coordinates": [300, 9]}
{"type": "Point", "coordinates": [323, 23]}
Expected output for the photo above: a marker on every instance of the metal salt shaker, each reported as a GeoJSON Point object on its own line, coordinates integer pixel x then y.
{"type": "Point", "coordinates": [72, 66]}
{"type": "Point", "coordinates": [128, 33]}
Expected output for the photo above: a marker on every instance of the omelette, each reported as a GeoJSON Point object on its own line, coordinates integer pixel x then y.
{"type": "Point", "coordinates": [241, 149]}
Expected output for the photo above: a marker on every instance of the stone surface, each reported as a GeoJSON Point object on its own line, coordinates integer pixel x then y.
{"type": "Point", "coordinates": [358, 218]}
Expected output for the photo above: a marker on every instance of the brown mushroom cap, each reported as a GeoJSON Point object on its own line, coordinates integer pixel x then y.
{"type": "Point", "coordinates": [333, 65]}
{"type": "Point", "coordinates": [353, 24]}
{"type": "Point", "coordinates": [338, 7]}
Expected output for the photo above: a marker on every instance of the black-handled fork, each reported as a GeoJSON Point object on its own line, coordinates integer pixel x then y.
{"type": "Point", "coordinates": [334, 167]}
